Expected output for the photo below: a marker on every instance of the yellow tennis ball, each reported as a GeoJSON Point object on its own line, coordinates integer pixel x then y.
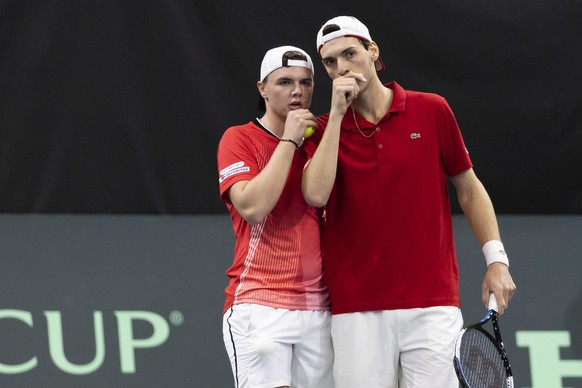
{"type": "Point", "coordinates": [308, 132]}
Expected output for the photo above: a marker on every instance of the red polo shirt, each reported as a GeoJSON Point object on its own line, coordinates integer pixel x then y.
{"type": "Point", "coordinates": [388, 240]}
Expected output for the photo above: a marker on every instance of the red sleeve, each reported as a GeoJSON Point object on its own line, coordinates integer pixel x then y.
{"type": "Point", "coordinates": [454, 153]}
{"type": "Point", "coordinates": [236, 161]}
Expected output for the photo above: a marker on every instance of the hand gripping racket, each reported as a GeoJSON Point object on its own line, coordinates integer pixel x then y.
{"type": "Point", "coordinates": [480, 359]}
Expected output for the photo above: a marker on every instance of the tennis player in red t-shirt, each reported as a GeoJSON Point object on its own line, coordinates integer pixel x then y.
{"type": "Point", "coordinates": [276, 321]}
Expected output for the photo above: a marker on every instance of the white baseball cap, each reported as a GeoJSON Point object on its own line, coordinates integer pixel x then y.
{"type": "Point", "coordinates": [274, 60]}
{"type": "Point", "coordinates": [346, 26]}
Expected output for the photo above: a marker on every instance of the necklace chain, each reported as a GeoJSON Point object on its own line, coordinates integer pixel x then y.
{"type": "Point", "coordinates": [357, 126]}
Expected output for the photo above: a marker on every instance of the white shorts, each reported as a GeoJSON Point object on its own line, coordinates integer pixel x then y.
{"type": "Point", "coordinates": [411, 348]}
{"type": "Point", "coordinates": [270, 347]}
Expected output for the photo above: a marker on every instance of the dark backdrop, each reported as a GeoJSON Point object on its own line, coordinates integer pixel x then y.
{"type": "Point", "coordinates": [116, 106]}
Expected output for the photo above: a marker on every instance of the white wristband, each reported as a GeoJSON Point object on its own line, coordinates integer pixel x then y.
{"type": "Point", "coordinates": [495, 253]}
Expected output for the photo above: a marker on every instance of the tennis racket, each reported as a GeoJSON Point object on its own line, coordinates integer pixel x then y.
{"type": "Point", "coordinates": [480, 358]}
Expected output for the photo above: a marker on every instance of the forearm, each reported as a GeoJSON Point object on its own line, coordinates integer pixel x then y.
{"type": "Point", "coordinates": [255, 199]}
{"type": "Point", "coordinates": [478, 209]}
{"type": "Point", "coordinates": [480, 215]}
{"type": "Point", "coordinates": [319, 175]}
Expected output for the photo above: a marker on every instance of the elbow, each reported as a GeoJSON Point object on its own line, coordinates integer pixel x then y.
{"type": "Point", "coordinates": [254, 220]}
{"type": "Point", "coordinates": [316, 194]}
{"type": "Point", "coordinates": [253, 216]}
{"type": "Point", "coordinates": [316, 202]}
{"type": "Point", "coordinates": [253, 210]}
{"type": "Point", "coordinates": [462, 201]}
{"type": "Point", "coordinates": [315, 199]}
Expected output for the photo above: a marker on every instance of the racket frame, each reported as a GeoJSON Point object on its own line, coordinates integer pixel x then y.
{"type": "Point", "coordinates": [492, 316]}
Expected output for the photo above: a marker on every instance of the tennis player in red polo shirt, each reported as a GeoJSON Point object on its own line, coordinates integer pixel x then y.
{"type": "Point", "coordinates": [381, 170]}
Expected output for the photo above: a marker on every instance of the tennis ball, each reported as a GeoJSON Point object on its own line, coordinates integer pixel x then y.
{"type": "Point", "coordinates": [308, 131]}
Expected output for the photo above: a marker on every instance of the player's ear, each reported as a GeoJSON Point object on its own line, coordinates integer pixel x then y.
{"type": "Point", "coordinates": [374, 51]}
{"type": "Point", "coordinates": [261, 88]}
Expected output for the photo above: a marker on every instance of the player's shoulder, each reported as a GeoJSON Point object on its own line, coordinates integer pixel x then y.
{"type": "Point", "coordinates": [425, 101]}
{"type": "Point", "coordinates": [238, 128]}
{"type": "Point", "coordinates": [424, 97]}
{"type": "Point", "coordinates": [239, 131]}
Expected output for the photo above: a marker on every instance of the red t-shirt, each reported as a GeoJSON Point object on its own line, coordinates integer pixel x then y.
{"type": "Point", "coordinates": [278, 262]}
{"type": "Point", "coordinates": [388, 240]}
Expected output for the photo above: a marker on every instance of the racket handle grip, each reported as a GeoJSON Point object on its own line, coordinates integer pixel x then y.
{"type": "Point", "coordinates": [493, 302]}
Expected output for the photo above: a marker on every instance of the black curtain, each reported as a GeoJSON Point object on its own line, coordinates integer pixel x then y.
{"type": "Point", "coordinates": [117, 106]}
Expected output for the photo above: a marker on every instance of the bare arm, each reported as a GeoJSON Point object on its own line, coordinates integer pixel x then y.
{"type": "Point", "coordinates": [319, 175]}
{"type": "Point", "coordinates": [254, 199]}
{"type": "Point", "coordinates": [480, 215]}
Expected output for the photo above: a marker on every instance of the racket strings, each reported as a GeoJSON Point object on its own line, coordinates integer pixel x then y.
{"type": "Point", "coordinates": [481, 364]}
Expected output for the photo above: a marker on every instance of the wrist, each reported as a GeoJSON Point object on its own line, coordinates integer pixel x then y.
{"type": "Point", "coordinates": [494, 252]}
{"type": "Point", "coordinates": [296, 144]}
{"type": "Point", "coordinates": [337, 114]}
